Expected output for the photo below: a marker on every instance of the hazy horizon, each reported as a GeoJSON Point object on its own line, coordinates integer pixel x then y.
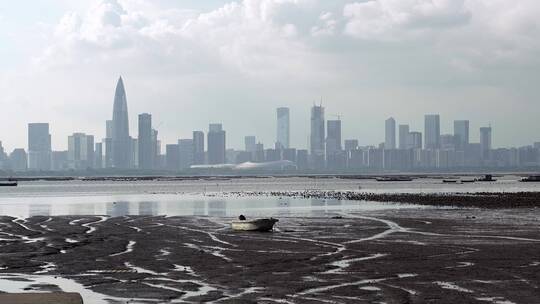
{"type": "Point", "coordinates": [190, 63]}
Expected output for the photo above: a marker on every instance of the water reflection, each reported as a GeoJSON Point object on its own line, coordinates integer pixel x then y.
{"type": "Point", "coordinates": [334, 205]}
{"type": "Point", "coordinates": [283, 205]}
{"type": "Point", "coordinates": [183, 205]}
{"type": "Point", "coordinates": [148, 208]}
{"type": "Point", "coordinates": [199, 208]}
{"type": "Point", "coordinates": [317, 207]}
{"type": "Point", "coordinates": [118, 208]}
{"type": "Point", "coordinates": [217, 208]}
{"type": "Point", "coordinates": [35, 210]}
{"type": "Point", "coordinates": [85, 208]}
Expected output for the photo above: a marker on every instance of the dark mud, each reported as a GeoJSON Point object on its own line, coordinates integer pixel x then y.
{"type": "Point", "coordinates": [400, 256]}
{"type": "Point", "coordinates": [494, 200]}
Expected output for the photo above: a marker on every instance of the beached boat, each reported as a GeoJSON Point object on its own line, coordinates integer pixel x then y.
{"type": "Point", "coordinates": [8, 184]}
{"type": "Point", "coordinates": [531, 179]}
{"type": "Point", "coordinates": [264, 224]}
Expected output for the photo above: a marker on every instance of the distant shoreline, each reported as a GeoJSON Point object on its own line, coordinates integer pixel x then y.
{"type": "Point", "coordinates": [137, 176]}
{"type": "Point", "coordinates": [491, 200]}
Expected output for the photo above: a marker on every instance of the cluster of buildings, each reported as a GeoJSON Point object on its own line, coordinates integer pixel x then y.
{"type": "Point", "coordinates": [402, 149]}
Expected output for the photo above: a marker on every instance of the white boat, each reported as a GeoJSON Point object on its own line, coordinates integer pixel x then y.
{"type": "Point", "coordinates": [264, 224]}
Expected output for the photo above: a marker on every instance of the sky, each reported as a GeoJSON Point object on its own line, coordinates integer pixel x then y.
{"type": "Point", "coordinates": [190, 63]}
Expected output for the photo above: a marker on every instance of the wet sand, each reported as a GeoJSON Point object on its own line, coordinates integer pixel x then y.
{"type": "Point", "coordinates": [392, 256]}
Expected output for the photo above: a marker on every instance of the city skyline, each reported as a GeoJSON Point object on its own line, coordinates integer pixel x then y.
{"type": "Point", "coordinates": [394, 131]}
{"type": "Point", "coordinates": [189, 64]}
{"type": "Point", "coordinates": [405, 149]}
{"type": "Point", "coordinates": [445, 127]}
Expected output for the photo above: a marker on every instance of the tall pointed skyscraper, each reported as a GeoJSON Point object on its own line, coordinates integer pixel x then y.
{"type": "Point", "coordinates": [121, 141]}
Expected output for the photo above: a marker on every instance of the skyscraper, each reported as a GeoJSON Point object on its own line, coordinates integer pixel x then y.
{"type": "Point", "coordinates": [216, 144]}
{"type": "Point", "coordinates": [448, 142]}
{"type": "Point", "coordinates": [432, 131]}
{"type": "Point", "coordinates": [333, 139]}
{"type": "Point", "coordinates": [185, 151]}
{"type": "Point", "coordinates": [172, 155]}
{"type": "Point", "coordinates": [250, 143]}
{"type": "Point", "coordinates": [317, 135]}
{"type": "Point", "coordinates": [335, 157]}
{"type": "Point", "coordinates": [283, 125]}
{"type": "Point", "coordinates": [107, 141]}
{"type": "Point", "coordinates": [156, 149]}
{"type": "Point", "coordinates": [390, 133]}
{"type": "Point", "coordinates": [198, 147]}
{"type": "Point", "coordinates": [98, 155]}
{"type": "Point", "coordinates": [39, 146]}
{"type": "Point", "coordinates": [414, 140]}
{"type": "Point", "coordinates": [144, 143]}
{"type": "Point", "coordinates": [80, 153]}
{"type": "Point", "coordinates": [461, 133]}
{"type": "Point", "coordinates": [18, 160]}
{"type": "Point", "coordinates": [485, 142]}
{"type": "Point", "coordinates": [403, 136]}
{"type": "Point", "coordinates": [121, 142]}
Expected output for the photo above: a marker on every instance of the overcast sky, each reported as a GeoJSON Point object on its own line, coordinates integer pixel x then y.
{"type": "Point", "coordinates": [193, 62]}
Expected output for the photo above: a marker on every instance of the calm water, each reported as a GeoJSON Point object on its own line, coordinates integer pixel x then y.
{"type": "Point", "coordinates": [204, 197]}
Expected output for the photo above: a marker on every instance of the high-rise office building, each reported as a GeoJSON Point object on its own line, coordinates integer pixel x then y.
{"type": "Point", "coordinates": [18, 160]}
{"type": "Point", "coordinates": [156, 149]}
{"type": "Point", "coordinates": [414, 140]}
{"type": "Point", "coordinates": [403, 136]}
{"type": "Point", "coordinates": [198, 147]}
{"type": "Point", "coordinates": [432, 131]}
{"type": "Point", "coordinates": [461, 133]}
{"type": "Point", "coordinates": [121, 141]}
{"type": "Point", "coordinates": [390, 133]}
{"type": "Point", "coordinates": [109, 128]}
{"type": "Point", "coordinates": [39, 146]}
{"type": "Point", "coordinates": [302, 159]}
{"type": "Point", "coordinates": [283, 125]}
{"type": "Point", "coordinates": [259, 153]}
{"type": "Point", "coordinates": [317, 137]}
{"type": "Point", "coordinates": [289, 154]}
{"type": "Point", "coordinates": [172, 157]}
{"type": "Point", "coordinates": [216, 144]}
{"type": "Point", "coordinates": [185, 151]}
{"type": "Point", "coordinates": [250, 143]}
{"type": "Point", "coordinates": [134, 152]}
{"type": "Point", "coordinates": [335, 156]}
{"type": "Point", "coordinates": [448, 142]}
{"type": "Point", "coordinates": [107, 145]}
{"type": "Point", "coordinates": [145, 143]}
{"type": "Point", "coordinates": [98, 156]}
{"type": "Point", "coordinates": [80, 154]}
{"type": "Point", "coordinates": [485, 142]}
{"type": "Point", "coordinates": [333, 138]}
{"type": "Point", "coordinates": [59, 160]}
{"type": "Point", "coordinates": [108, 163]}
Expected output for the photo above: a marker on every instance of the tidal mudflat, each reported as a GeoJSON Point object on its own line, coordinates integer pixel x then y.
{"type": "Point", "coordinates": [415, 255]}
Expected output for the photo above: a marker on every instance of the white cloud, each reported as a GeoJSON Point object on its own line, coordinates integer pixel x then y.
{"type": "Point", "coordinates": [252, 55]}
{"type": "Point", "coordinates": [393, 19]}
